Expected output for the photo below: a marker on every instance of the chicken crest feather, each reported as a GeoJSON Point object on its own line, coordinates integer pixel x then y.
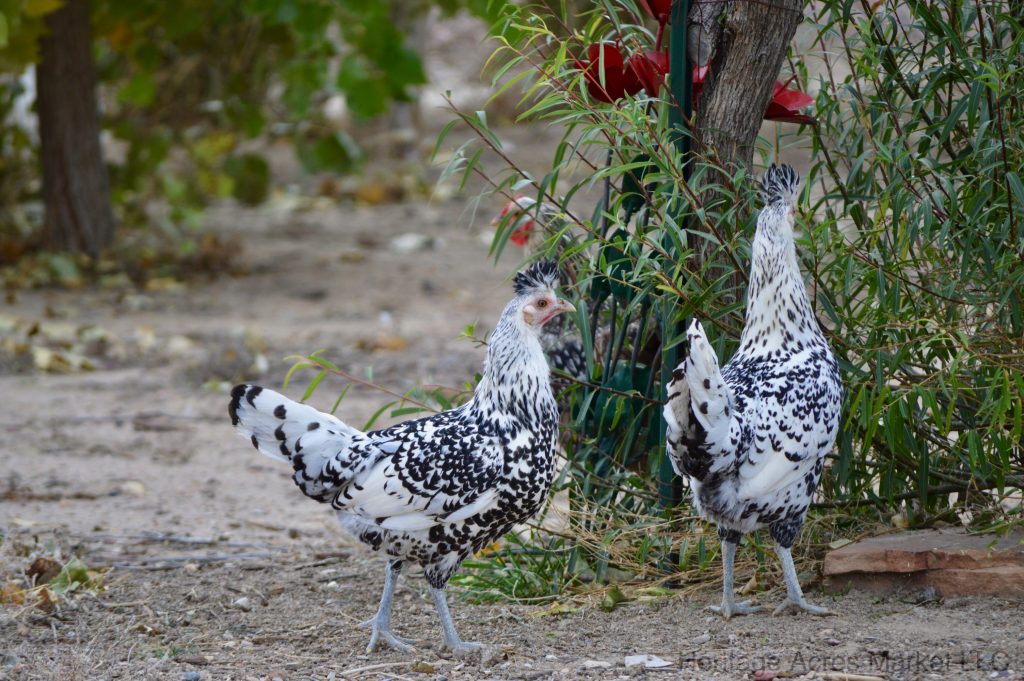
{"type": "Point", "coordinates": [539, 275]}
{"type": "Point", "coordinates": [780, 184]}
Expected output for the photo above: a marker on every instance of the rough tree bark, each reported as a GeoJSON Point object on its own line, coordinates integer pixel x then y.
{"type": "Point", "coordinates": [750, 46]}
{"type": "Point", "coordinates": [76, 190]}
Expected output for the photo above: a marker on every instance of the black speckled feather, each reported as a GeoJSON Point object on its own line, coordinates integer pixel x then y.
{"type": "Point", "coordinates": [752, 437]}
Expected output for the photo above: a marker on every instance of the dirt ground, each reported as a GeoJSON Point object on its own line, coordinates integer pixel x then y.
{"type": "Point", "coordinates": [217, 568]}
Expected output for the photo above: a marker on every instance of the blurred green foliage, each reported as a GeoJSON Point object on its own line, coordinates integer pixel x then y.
{"type": "Point", "coordinates": [911, 238]}
{"type": "Point", "coordinates": [191, 91]}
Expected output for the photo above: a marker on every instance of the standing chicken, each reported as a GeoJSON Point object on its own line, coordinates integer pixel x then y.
{"type": "Point", "coordinates": [434, 490]}
{"type": "Point", "coordinates": [752, 437]}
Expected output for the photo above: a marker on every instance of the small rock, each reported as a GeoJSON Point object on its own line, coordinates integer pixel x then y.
{"type": "Point", "coordinates": [191, 676]}
{"type": "Point", "coordinates": [646, 661]}
{"type": "Point", "coordinates": [10, 660]}
{"type": "Point", "coordinates": [177, 346]}
{"type": "Point", "coordinates": [422, 667]}
{"type": "Point", "coordinates": [929, 594]}
{"type": "Point", "coordinates": [137, 302]}
{"type": "Point", "coordinates": [595, 664]}
{"type": "Point", "coordinates": [243, 604]}
{"type": "Point", "coordinates": [490, 656]}
{"type": "Point", "coordinates": [132, 488]}
{"type": "Point", "coordinates": [411, 242]}
{"type": "Point", "coordinates": [260, 364]}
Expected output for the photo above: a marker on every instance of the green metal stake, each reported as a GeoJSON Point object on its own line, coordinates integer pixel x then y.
{"type": "Point", "coordinates": [679, 115]}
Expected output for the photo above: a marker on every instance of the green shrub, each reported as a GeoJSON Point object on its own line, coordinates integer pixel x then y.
{"type": "Point", "coordinates": [913, 246]}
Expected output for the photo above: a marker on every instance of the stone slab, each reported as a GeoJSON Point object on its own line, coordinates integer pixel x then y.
{"type": "Point", "coordinates": [951, 561]}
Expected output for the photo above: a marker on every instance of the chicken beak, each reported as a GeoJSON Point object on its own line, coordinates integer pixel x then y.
{"type": "Point", "coordinates": [564, 306]}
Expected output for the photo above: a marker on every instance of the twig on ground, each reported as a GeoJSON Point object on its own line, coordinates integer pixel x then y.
{"type": "Point", "coordinates": [171, 562]}
{"type": "Point", "coordinates": [162, 537]}
{"type": "Point", "coordinates": [372, 667]}
{"type": "Point", "coordinates": [844, 676]}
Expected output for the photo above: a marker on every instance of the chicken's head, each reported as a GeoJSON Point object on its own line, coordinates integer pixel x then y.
{"type": "Point", "coordinates": [779, 188]}
{"type": "Point", "coordinates": [516, 210]}
{"type": "Point", "coordinates": [538, 303]}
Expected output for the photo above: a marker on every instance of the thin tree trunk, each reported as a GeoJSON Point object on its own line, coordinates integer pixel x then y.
{"type": "Point", "coordinates": [749, 50]}
{"type": "Point", "coordinates": [76, 190]}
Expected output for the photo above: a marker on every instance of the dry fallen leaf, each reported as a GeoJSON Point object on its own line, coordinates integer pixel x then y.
{"type": "Point", "coordinates": [46, 599]}
{"type": "Point", "coordinates": [12, 594]}
{"type": "Point", "coordinates": [53, 361]}
{"type": "Point", "coordinates": [556, 608]}
{"type": "Point", "coordinates": [612, 597]}
{"type": "Point", "coordinates": [42, 570]}
{"type": "Point", "coordinates": [165, 284]}
{"type": "Point", "coordinates": [388, 342]}
{"type": "Point", "coordinates": [496, 546]}
{"type": "Point", "coordinates": [749, 587]}
{"type": "Point", "coordinates": [352, 256]}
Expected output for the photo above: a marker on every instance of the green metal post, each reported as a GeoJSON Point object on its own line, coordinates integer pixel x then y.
{"type": "Point", "coordinates": [680, 113]}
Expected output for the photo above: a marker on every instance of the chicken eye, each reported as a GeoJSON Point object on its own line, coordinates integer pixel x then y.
{"type": "Point", "coordinates": [542, 303]}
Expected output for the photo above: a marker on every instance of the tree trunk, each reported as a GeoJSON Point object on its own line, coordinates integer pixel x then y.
{"type": "Point", "coordinates": [749, 50]}
{"type": "Point", "coordinates": [76, 190]}
{"type": "Point", "coordinates": [749, 40]}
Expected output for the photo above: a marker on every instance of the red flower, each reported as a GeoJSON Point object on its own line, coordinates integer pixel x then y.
{"type": "Point", "coordinates": [608, 79]}
{"type": "Point", "coordinates": [699, 74]}
{"type": "Point", "coordinates": [660, 10]}
{"type": "Point", "coordinates": [649, 68]}
{"type": "Point", "coordinates": [519, 205]}
{"type": "Point", "coordinates": [784, 106]}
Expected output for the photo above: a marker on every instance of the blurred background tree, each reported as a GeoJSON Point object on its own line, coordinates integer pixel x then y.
{"type": "Point", "coordinates": [183, 90]}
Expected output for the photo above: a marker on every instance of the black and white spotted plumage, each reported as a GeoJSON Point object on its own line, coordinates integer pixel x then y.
{"type": "Point", "coordinates": [437, 489]}
{"type": "Point", "coordinates": [752, 436]}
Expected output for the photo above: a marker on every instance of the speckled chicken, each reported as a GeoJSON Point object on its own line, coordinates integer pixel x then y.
{"type": "Point", "coordinates": [752, 437]}
{"type": "Point", "coordinates": [434, 490]}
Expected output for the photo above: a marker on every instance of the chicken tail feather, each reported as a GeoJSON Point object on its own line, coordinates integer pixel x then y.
{"type": "Point", "coordinates": [698, 412]}
{"type": "Point", "coordinates": [319, 446]}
